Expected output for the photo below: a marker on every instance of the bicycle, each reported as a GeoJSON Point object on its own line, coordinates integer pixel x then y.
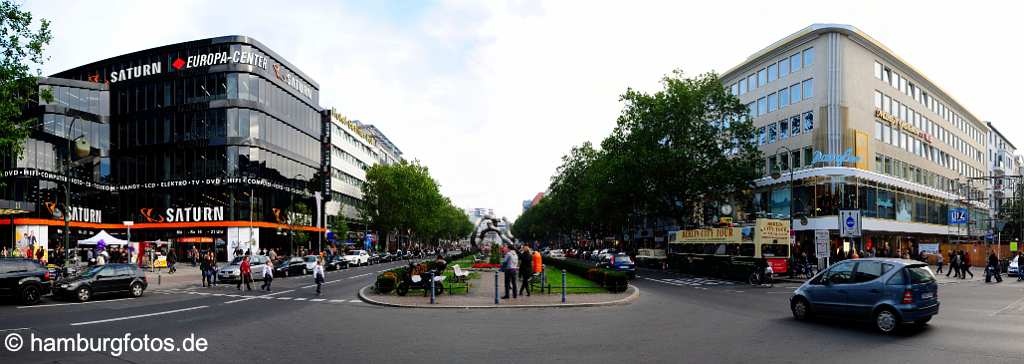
{"type": "Point", "coordinates": [759, 278]}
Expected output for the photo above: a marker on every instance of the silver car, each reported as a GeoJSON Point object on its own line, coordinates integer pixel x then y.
{"type": "Point", "coordinates": [232, 271]}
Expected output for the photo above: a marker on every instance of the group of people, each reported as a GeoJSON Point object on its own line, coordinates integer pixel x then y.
{"type": "Point", "coordinates": [208, 268]}
{"type": "Point", "coordinates": [959, 264]}
{"type": "Point", "coordinates": [521, 263]}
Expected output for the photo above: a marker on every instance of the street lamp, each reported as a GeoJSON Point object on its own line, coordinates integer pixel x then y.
{"type": "Point", "coordinates": [81, 150]}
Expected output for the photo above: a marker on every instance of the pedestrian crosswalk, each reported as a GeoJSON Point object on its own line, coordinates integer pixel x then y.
{"type": "Point", "coordinates": [691, 281]}
{"type": "Point", "coordinates": [259, 297]}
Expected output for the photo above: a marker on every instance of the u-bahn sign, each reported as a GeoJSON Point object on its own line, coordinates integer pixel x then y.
{"type": "Point", "coordinates": [849, 223]}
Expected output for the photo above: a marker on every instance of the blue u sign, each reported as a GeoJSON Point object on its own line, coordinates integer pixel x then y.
{"type": "Point", "coordinates": [958, 216]}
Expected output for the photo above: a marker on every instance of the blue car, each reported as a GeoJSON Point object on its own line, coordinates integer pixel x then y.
{"type": "Point", "coordinates": [890, 292]}
{"type": "Point", "coordinates": [622, 263]}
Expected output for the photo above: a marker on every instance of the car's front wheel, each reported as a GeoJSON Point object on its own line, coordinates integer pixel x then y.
{"type": "Point", "coordinates": [801, 309]}
{"type": "Point", "coordinates": [83, 294]}
{"type": "Point", "coordinates": [136, 290]}
{"type": "Point", "coordinates": [30, 295]}
{"type": "Point", "coordinates": [886, 321]}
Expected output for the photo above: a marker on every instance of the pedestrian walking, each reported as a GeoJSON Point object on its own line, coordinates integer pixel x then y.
{"type": "Point", "coordinates": [952, 263]}
{"type": "Point", "coordinates": [966, 266]}
{"type": "Point", "coordinates": [525, 269]}
{"type": "Point", "coordinates": [938, 261]}
{"type": "Point", "coordinates": [510, 265]}
{"type": "Point", "coordinates": [245, 274]}
{"type": "Point", "coordinates": [992, 269]}
{"type": "Point", "coordinates": [318, 274]}
{"type": "Point", "coordinates": [204, 270]}
{"type": "Point", "coordinates": [172, 258]}
{"type": "Point", "coordinates": [268, 275]}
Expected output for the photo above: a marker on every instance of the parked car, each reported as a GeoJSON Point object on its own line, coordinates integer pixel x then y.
{"type": "Point", "coordinates": [386, 257]}
{"type": "Point", "coordinates": [25, 279]}
{"type": "Point", "coordinates": [622, 263]}
{"type": "Point", "coordinates": [357, 257]}
{"type": "Point", "coordinates": [1014, 267]}
{"type": "Point", "coordinates": [336, 262]}
{"type": "Point", "coordinates": [374, 258]}
{"type": "Point", "coordinates": [293, 266]}
{"type": "Point", "coordinates": [890, 292]}
{"type": "Point", "coordinates": [232, 272]}
{"type": "Point", "coordinates": [103, 280]}
{"type": "Point", "coordinates": [556, 253]}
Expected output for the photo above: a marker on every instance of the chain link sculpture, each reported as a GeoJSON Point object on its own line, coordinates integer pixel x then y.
{"type": "Point", "coordinates": [489, 224]}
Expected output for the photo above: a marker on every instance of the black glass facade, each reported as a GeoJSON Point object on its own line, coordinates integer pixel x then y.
{"type": "Point", "coordinates": [216, 123]}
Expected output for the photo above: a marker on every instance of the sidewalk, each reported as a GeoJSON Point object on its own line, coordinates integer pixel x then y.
{"type": "Point", "coordinates": [481, 294]}
{"type": "Point", "coordinates": [185, 276]}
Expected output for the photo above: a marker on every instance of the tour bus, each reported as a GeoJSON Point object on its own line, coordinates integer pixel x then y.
{"type": "Point", "coordinates": [730, 252]}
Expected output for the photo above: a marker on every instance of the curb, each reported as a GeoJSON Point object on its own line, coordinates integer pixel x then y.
{"type": "Point", "coordinates": [622, 301]}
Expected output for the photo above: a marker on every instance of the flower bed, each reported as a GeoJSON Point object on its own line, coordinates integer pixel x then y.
{"type": "Point", "coordinates": [486, 265]}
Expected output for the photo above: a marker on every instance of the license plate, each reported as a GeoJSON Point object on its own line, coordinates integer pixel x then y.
{"type": "Point", "coordinates": [927, 295]}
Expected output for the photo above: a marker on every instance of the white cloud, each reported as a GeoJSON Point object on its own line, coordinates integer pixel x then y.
{"type": "Point", "coordinates": [490, 95]}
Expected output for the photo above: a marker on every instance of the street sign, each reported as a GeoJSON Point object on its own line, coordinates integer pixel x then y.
{"type": "Point", "coordinates": [821, 243]}
{"type": "Point", "coordinates": [849, 223]}
{"type": "Point", "coordinates": [958, 216]}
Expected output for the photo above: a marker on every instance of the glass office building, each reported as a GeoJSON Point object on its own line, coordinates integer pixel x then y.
{"type": "Point", "coordinates": [216, 142]}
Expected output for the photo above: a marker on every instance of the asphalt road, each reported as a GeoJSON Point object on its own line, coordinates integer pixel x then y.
{"type": "Point", "coordinates": [677, 319]}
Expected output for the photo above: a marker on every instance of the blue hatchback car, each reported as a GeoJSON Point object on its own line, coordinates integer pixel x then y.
{"type": "Point", "coordinates": [888, 291]}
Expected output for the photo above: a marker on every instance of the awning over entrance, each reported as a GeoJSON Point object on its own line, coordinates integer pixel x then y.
{"type": "Point", "coordinates": [102, 235]}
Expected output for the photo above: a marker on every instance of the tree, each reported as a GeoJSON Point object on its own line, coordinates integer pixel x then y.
{"type": "Point", "coordinates": [340, 228]}
{"type": "Point", "coordinates": [404, 199]}
{"type": "Point", "coordinates": [22, 49]}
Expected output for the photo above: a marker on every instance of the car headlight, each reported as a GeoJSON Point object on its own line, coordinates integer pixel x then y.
{"type": "Point", "coordinates": [65, 285]}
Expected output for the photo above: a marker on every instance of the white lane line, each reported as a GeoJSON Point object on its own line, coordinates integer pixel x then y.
{"type": "Point", "coordinates": [254, 297]}
{"type": "Point", "coordinates": [317, 300]}
{"type": "Point", "coordinates": [137, 316]}
{"type": "Point", "coordinates": [284, 298]}
{"type": "Point", "coordinates": [299, 299]}
{"type": "Point", "coordinates": [75, 303]}
{"type": "Point", "coordinates": [17, 329]}
{"type": "Point", "coordinates": [361, 275]}
{"type": "Point", "coordinates": [338, 301]}
{"type": "Point", "coordinates": [1014, 304]}
{"type": "Point", "coordinates": [354, 301]}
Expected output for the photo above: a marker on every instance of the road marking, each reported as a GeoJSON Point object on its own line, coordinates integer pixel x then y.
{"type": "Point", "coordinates": [361, 275]}
{"type": "Point", "coordinates": [254, 297]}
{"type": "Point", "coordinates": [338, 301]}
{"type": "Point", "coordinates": [299, 299]}
{"type": "Point", "coordinates": [1014, 304]}
{"type": "Point", "coordinates": [75, 303]}
{"type": "Point", "coordinates": [284, 298]}
{"type": "Point", "coordinates": [137, 316]}
{"type": "Point", "coordinates": [354, 301]}
{"type": "Point", "coordinates": [317, 299]}
{"type": "Point", "coordinates": [17, 329]}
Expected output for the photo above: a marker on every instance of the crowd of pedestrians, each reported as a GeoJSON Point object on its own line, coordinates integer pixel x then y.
{"type": "Point", "coordinates": [959, 264]}
{"type": "Point", "coordinates": [522, 263]}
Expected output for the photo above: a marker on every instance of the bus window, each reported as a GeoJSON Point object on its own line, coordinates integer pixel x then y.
{"type": "Point", "coordinates": [720, 249]}
{"type": "Point", "coordinates": [775, 250]}
{"type": "Point", "coordinates": [732, 249]}
{"type": "Point", "coordinates": [710, 248]}
{"type": "Point", "coordinates": [746, 250]}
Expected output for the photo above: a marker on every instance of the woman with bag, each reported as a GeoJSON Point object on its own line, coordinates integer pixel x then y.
{"type": "Point", "coordinates": [318, 274]}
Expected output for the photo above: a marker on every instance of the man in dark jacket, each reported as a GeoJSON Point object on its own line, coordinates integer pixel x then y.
{"type": "Point", "coordinates": [525, 269]}
{"type": "Point", "coordinates": [992, 268]}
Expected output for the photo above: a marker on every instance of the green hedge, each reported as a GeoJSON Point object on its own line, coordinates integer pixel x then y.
{"type": "Point", "coordinates": [611, 280]}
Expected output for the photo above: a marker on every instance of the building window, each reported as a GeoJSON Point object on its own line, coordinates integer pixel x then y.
{"type": "Point", "coordinates": [751, 82]}
{"type": "Point", "coordinates": [886, 104]}
{"type": "Point", "coordinates": [808, 86]}
{"type": "Point", "coordinates": [762, 106]}
{"type": "Point", "coordinates": [796, 159]}
{"type": "Point", "coordinates": [794, 62]}
{"type": "Point", "coordinates": [761, 135]}
{"type": "Point", "coordinates": [886, 75]}
{"type": "Point", "coordinates": [886, 133]}
{"type": "Point", "coordinates": [773, 102]}
{"type": "Point", "coordinates": [808, 56]}
{"type": "Point", "coordinates": [784, 161]}
{"type": "Point", "coordinates": [772, 134]}
{"type": "Point", "coordinates": [878, 100]}
{"type": "Point", "coordinates": [762, 77]}
{"type": "Point", "coordinates": [794, 124]}
{"type": "Point", "coordinates": [773, 72]}
{"type": "Point", "coordinates": [751, 110]}
{"type": "Point", "coordinates": [794, 93]}
{"type": "Point", "coordinates": [808, 156]}
{"type": "Point", "coordinates": [743, 86]}
{"type": "Point", "coordinates": [878, 70]}
{"type": "Point", "coordinates": [879, 163]}
{"type": "Point", "coordinates": [783, 68]}
{"type": "Point", "coordinates": [808, 121]}
{"type": "Point", "coordinates": [783, 97]}
{"type": "Point", "coordinates": [783, 129]}
{"type": "Point", "coordinates": [734, 89]}
{"type": "Point", "coordinates": [878, 130]}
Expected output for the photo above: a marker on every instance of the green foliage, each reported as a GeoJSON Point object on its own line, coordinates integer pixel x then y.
{"type": "Point", "coordinates": [340, 228]}
{"type": "Point", "coordinates": [669, 155]}
{"type": "Point", "coordinates": [495, 254]}
{"type": "Point", "coordinates": [386, 282]}
{"type": "Point", "coordinates": [22, 49]}
{"type": "Point", "coordinates": [404, 198]}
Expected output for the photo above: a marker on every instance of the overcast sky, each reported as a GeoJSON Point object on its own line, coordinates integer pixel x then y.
{"type": "Point", "coordinates": [490, 95]}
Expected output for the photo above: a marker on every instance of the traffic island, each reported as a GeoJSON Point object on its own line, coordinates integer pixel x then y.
{"type": "Point", "coordinates": [475, 300]}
